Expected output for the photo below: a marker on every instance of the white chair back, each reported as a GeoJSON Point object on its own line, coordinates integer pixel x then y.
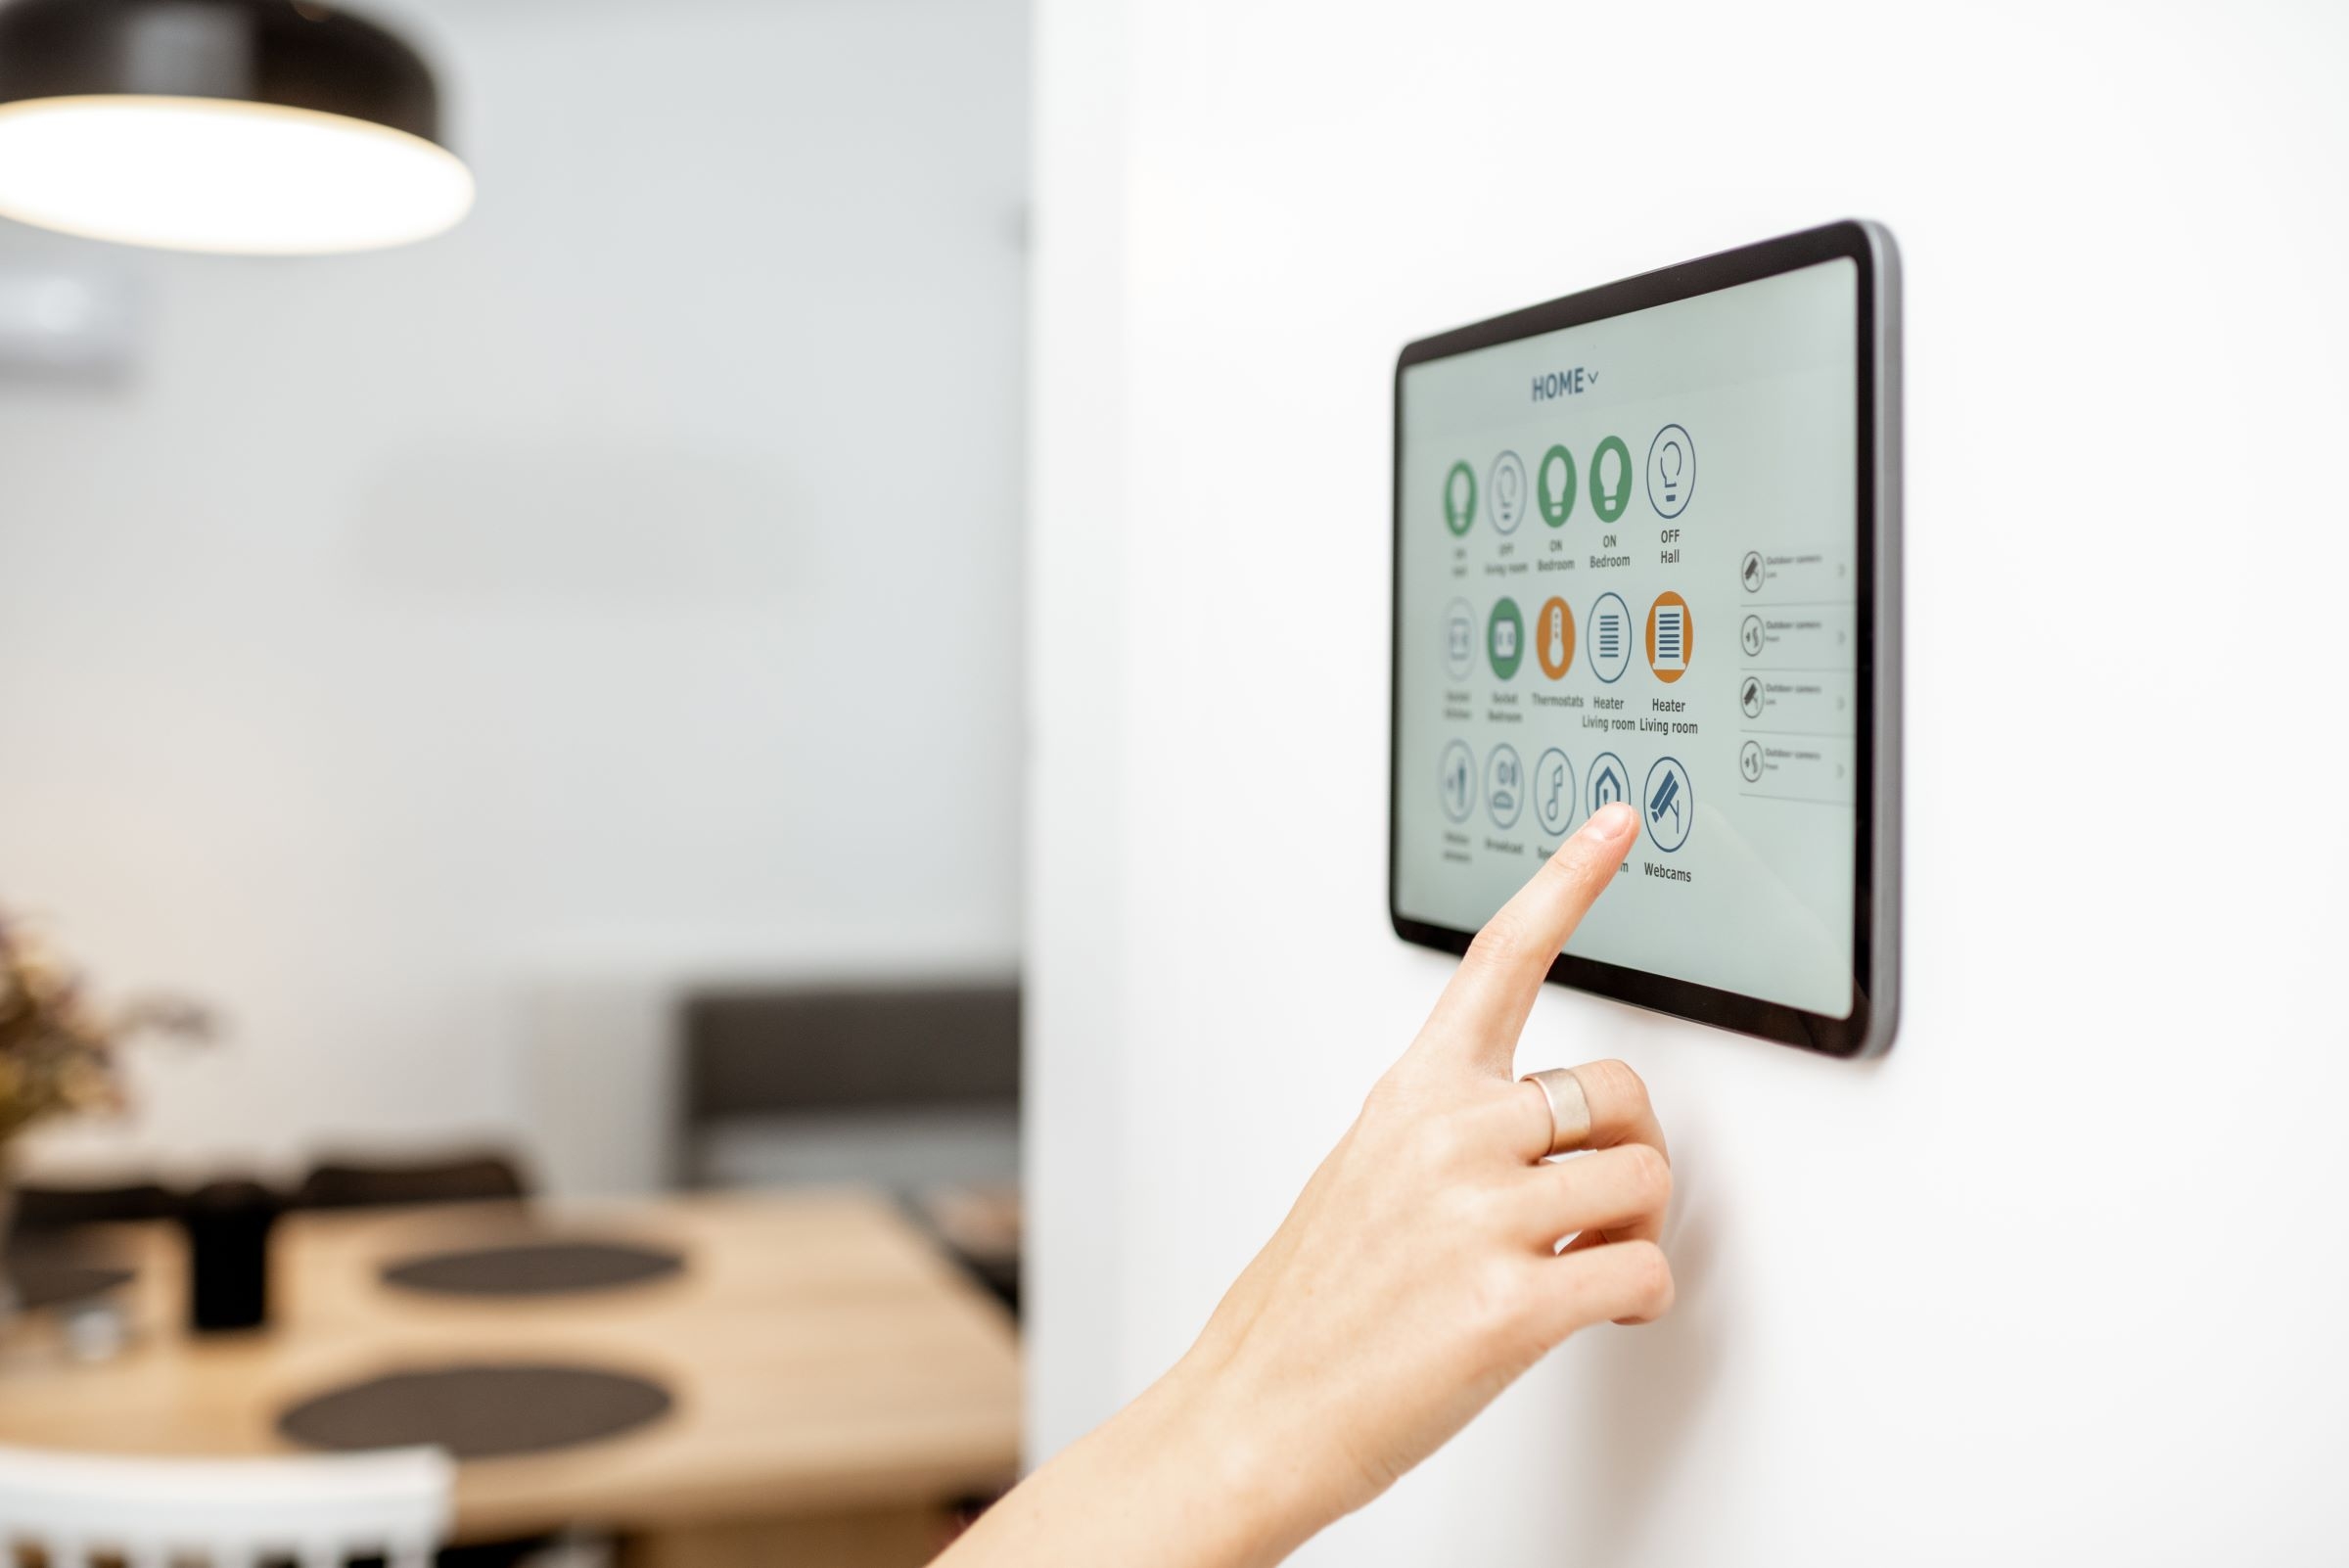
{"type": "Point", "coordinates": [321, 1511]}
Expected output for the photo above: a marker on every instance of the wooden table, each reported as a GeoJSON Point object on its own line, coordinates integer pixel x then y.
{"type": "Point", "coordinates": [836, 1381]}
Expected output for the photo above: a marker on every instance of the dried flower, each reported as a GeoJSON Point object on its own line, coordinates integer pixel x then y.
{"type": "Point", "coordinates": [58, 1050]}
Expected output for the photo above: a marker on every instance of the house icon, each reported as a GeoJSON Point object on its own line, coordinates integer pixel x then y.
{"type": "Point", "coordinates": [1606, 788]}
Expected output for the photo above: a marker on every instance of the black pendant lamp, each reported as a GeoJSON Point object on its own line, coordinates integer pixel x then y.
{"type": "Point", "coordinates": [264, 127]}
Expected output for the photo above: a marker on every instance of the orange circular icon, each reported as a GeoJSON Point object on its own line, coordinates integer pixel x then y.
{"type": "Point", "coordinates": [1554, 639]}
{"type": "Point", "coordinates": [1670, 636]}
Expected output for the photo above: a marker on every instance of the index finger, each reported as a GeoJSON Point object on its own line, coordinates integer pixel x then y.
{"type": "Point", "coordinates": [1486, 1005]}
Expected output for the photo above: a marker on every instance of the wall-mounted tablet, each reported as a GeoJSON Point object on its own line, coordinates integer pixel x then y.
{"type": "Point", "coordinates": [1648, 549]}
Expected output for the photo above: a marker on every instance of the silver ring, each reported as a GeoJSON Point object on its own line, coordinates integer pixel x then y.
{"type": "Point", "coordinates": [1569, 1108]}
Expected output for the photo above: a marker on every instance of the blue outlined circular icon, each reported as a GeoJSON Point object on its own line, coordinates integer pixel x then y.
{"type": "Point", "coordinates": [1610, 633]}
{"type": "Point", "coordinates": [1459, 639]}
{"type": "Point", "coordinates": [1671, 471]}
{"type": "Point", "coordinates": [1554, 799]}
{"type": "Point", "coordinates": [1456, 781]}
{"type": "Point", "coordinates": [1610, 781]}
{"type": "Point", "coordinates": [1504, 786]}
{"type": "Point", "coordinates": [1504, 490]}
{"type": "Point", "coordinates": [1669, 802]}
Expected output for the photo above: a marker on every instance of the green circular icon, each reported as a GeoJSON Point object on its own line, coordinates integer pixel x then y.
{"type": "Point", "coordinates": [1554, 486]}
{"type": "Point", "coordinates": [1610, 490]}
{"type": "Point", "coordinates": [1460, 497]}
{"type": "Point", "coordinates": [1504, 638]}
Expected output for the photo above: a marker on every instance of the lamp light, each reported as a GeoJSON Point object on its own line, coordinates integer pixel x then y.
{"type": "Point", "coordinates": [264, 127]}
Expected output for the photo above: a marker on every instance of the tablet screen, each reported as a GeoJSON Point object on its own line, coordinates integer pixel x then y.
{"type": "Point", "coordinates": [1629, 566]}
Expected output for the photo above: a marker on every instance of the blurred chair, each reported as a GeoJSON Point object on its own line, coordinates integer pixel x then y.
{"type": "Point", "coordinates": [355, 1184]}
{"type": "Point", "coordinates": [226, 1513]}
{"type": "Point", "coordinates": [911, 1087]}
{"type": "Point", "coordinates": [47, 1209]}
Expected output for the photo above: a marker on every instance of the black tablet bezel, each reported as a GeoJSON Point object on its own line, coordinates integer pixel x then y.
{"type": "Point", "coordinates": [1875, 902]}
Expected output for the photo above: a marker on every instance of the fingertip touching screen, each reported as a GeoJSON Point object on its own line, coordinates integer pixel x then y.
{"type": "Point", "coordinates": [1642, 554]}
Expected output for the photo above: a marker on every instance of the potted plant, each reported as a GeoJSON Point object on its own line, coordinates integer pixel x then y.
{"type": "Point", "coordinates": [60, 1052]}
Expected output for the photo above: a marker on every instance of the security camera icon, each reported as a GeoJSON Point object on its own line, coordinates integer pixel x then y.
{"type": "Point", "coordinates": [1671, 801]}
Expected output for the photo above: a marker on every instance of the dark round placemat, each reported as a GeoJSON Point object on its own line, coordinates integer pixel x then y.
{"type": "Point", "coordinates": [61, 1281]}
{"type": "Point", "coordinates": [477, 1411]}
{"type": "Point", "coordinates": [534, 1268]}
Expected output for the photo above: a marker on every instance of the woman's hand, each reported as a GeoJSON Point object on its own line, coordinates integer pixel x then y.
{"type": "Point", "coordinates": [1417, 1277]}
{"type": "Point", "coordinates": [1418, 1274]}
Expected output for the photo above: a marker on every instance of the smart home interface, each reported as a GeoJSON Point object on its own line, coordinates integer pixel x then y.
{"type": "Point", "coordinates": [1630, 569]}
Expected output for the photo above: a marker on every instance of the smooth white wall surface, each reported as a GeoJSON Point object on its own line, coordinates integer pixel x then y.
{"type": "Point", "coordinates": [2063, 1278]}
{"type": "Point", "coordinates": [436, 657]}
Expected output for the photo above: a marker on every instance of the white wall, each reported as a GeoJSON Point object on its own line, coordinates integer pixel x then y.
{"type": "Point", "coordinates": [2061, 1279]}
{"type": "Point", "coordinates": [436, 656]}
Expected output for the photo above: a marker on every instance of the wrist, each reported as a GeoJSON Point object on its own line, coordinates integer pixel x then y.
{"type": "Point", "coordinates": [1241, 1454]}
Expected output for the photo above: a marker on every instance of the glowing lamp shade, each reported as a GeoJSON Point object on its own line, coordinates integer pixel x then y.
{"type": "Point", "coordinates": [248, 126]}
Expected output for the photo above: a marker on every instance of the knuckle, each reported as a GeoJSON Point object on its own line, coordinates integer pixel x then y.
{"type": "Point", "coordinates": [1472, 1212]}
{"type": "Point", "coordinates": [1385, 1096]}
{"type": "Point", "coordinates": [1499, 944]}
{"type": "Point", "coordinates": [1504, 1295]}
{"type": "Point", "coordinates": [1616, 1081]}
{"type": "Point", "coordinates": [1650, 1175]}
{"type": "Point", "coordinates": [1572, 863]}
{"type": "Point", "coordinates": [1502, 1212]}
{"type": "Point", "coordinates": [1650, 1277]}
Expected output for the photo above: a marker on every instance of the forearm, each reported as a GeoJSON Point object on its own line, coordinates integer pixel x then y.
{"type": "Point", "coordinates": [1172, 1481]}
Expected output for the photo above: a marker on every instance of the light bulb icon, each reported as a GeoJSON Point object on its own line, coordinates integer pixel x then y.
{"type": "Point", "coordinates": [1610, 478]}
{"type": "Point", "coordinates": [1507, 486]}
{"type": "Point", "coordinates": [1671, 471]}
{"type": "Point", "coordinates": [1459, 498]}
{"type": "Point", "coordinates": [1556, 485]}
